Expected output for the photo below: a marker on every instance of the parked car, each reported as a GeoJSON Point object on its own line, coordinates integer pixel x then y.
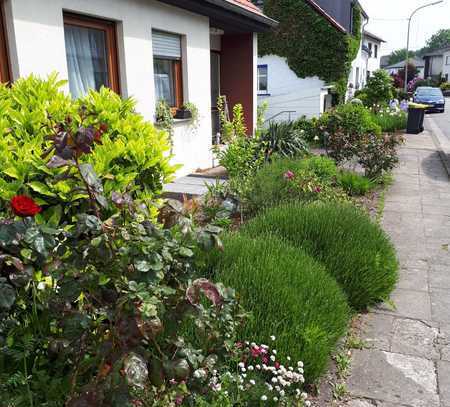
{"type": "Point", "coordinates": [432, 97]}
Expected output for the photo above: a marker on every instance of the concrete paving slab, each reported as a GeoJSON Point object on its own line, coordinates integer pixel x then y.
{"type": "Point", "coordinates": [440, 305]}
{"type": "Point", "coordinates": [377, 330]}
{"type": "Point", "coordinates": [439, 276]}
{"type": "Point", "coordinates": [443, 368]}
{"type": "Point", "coordinates": [410, 304]}
{"type": "Point", "coordinates": [394, 378]}
{"type": "Point", "coordinates": [413, 279]}
{"type": "Point", "coordinates": [415, 338]}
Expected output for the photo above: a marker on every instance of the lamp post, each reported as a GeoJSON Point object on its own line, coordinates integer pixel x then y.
{"type": "Point", "coordinates": [407, 44]}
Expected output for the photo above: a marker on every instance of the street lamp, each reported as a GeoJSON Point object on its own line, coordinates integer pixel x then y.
{"type": "Point", "coordinates": [407, 44]}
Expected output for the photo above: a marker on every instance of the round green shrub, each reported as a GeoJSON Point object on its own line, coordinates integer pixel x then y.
{"type": "Point", "coordinates": [270, 186]}
{"type": "Point", "coordinates": [289, 294]}
{"type": "Point", "coordinates": [355, 250]}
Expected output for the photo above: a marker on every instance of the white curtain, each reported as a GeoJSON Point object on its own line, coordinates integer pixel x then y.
{"type": "Point", "coordinates": [164, 81]}
{"type": "Point", "coordinates": [86, 59]}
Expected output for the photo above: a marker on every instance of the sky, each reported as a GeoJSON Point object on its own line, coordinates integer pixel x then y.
{"type": "Point", "coordinates": [388, 19]}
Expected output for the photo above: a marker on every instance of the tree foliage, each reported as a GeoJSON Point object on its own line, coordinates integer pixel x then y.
{"type": "Point", "coordinates": [437, 41]}
{"type": "Point", "coordinates": [306, 40]}
{"type": "Point", "coordinates": [399, 56]}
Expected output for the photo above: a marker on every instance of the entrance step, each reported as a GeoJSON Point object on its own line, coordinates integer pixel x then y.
{"type": "Point", "coordinates": [191, 186]}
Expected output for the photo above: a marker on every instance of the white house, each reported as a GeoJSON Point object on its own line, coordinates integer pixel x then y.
{"type": "Point", "coordinates": [177, 50]}
{"type": "Point", "coordinates": [290, 97]}
{"type": "Point", "coordinates": [437, 64]}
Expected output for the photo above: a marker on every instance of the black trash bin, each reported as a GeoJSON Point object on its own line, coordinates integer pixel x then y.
{"type": "Point", "coordinates": [416, 115]}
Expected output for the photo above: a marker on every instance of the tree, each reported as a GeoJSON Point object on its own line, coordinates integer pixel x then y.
{"type": "Point", "coordinates": [437, 41]}
{"type": "Point", "coordinates": [412, 72]}
{"type": "Point", "coordinates": [400, 55]}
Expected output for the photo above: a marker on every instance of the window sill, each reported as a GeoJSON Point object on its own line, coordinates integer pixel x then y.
{"type": "Point", "coordinates": [175, 122]}
{"type": "Point", "coordinates": [264, 94]}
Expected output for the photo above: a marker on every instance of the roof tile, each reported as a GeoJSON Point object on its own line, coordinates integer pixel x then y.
{"type": "Point", "coordinates": [247, 5]}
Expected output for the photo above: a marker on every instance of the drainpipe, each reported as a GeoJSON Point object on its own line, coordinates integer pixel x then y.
{"type": "Point", "coordinates": [362, 43]}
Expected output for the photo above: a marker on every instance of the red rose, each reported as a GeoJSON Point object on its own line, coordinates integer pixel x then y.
{"type": "Point", "coordinates": [24, 206]}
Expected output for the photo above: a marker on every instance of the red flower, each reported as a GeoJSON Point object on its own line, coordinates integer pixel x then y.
{"type": "Point", "coordinates": [277, 365]}
{"type": "Point", "coordinates": [289, 175]}
{"type": "Point", "coordinates": [256, 351]}
{"type": "Point", "coordinates": [24, 206]}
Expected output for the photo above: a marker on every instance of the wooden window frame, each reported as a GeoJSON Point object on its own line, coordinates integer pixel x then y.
{"type": "Point", "coordinates": [110, 30]}
{"type": "Point", "coordinates": [5, 69]}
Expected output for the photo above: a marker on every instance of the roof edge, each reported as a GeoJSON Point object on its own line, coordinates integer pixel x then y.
{"type": "Point", "coordinates": [330, 19]}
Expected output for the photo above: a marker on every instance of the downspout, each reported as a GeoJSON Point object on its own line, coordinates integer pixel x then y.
{"type": "Point", "coordinates": [362, 43]}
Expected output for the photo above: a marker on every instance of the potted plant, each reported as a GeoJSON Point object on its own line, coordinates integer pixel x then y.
{"type": "Point", "coordinates": [183, 113]}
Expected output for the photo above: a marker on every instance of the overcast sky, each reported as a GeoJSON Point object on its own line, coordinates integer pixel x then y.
{"type": "Point", "coordinates": [388, 19]}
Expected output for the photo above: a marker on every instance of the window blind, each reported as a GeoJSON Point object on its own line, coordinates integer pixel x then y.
{"type": "Point", "coordinates": [166, 45]}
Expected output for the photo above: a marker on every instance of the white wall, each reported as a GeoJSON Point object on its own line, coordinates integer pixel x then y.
{"type": "Point", "coordinates": [446, 68]}
{"type": "Point", "coordinates": [38, 33]}
{"type": "Point", "coordinates": [374, 63]}
{"type": "Point", "coordinates": [288, 92]}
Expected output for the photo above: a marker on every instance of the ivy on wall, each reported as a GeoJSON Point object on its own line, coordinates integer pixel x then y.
{"type": "Point", "coordinates": [311, 45]}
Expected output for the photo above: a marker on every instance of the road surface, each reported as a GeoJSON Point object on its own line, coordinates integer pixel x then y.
{"type": "Point", "coordinates": [443, 119]}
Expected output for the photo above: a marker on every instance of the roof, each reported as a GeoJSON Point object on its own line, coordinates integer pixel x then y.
{"type": "Point", "coordinates": [373, 36]}
{"type": "Point", "coordinates": [437, 52]}
{"type": "Point", "coordinates": [248, 5]}
{"type": "Point", "coordinates": [330, 19]}
{"type": "Point", "coordinates": [237, 15]}
{"type": "Point", "coordinates": [418, 62]}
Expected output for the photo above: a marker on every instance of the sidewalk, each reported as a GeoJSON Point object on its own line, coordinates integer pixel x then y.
{"type": "Point", "coordinates": [407, 362]}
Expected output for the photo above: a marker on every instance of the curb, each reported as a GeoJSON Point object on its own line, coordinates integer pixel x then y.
{"type": "Point", "coordinates": [437, 135]}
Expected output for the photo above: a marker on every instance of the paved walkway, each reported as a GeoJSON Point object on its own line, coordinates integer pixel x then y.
{"type": "Point", "coordinates": [408, 360]}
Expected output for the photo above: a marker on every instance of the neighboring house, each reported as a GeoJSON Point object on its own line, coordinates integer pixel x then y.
{"type": "Point", "coordinates": [288, 96]}
{"type": "Point", "coordinates": [177, 50]}
{"type": "Point", "coordinates": [384, 61]}
{"type": "Point", "coordinates": [419, 63]}
{"type": "Point", "coordinates": [373, 43]}
{"type": "Point", "coordinates": [437, 64]}
{"type": "Point", "coordinates": [367, 61]}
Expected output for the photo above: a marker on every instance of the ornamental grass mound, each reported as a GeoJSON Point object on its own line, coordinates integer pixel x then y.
{"type": "Point", "coordinates": [291, 179]}
{"type": "Point", "coordinates": [289, 294]}
{"type": "Point", "coordinates": [355, 251]}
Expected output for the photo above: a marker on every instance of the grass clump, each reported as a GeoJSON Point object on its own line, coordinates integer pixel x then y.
{"type": "Point", "coordinates": [292, 179]}
{"type": "Point", "coordinates": [354, 184]}
{"type": "Point", "coordinates": [355, 250]}
{"type": "Point", "coordinates": [290, 296]}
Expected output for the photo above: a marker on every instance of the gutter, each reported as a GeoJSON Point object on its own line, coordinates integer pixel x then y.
{"type": "Point", "coordinates": [260, 17]}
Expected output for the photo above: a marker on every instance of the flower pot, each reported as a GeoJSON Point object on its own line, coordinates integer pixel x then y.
{"type": "Point", "coordinates": [183, 114]}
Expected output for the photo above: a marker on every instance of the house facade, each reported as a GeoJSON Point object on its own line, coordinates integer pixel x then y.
{"type": "Point", "coordinates": [367, 61]}
{"type": "Point", "coordinates": [437, 64]}
{"type": "Point", "coordinates": [289, 97]}
{"type": "Point", "coordinates": [177, 50]}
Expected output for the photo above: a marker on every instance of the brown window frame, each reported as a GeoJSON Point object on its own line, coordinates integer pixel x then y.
{"type": "Point", "coordinates": [177, 74]}
{"type": "Point", "coordinates": [110, 29]}
{"type": "Point", "coordinates": [5, 70]}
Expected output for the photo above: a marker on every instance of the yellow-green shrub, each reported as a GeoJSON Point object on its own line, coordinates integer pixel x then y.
{"type": "Point", "coordinates": [133, 156]}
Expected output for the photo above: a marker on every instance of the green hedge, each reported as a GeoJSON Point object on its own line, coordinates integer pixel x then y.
{"type": "Point", "coordinates": [355, 250]}
{"type": "Point", "coordinates": [290, 296]}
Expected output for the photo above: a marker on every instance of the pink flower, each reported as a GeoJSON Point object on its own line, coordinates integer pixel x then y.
{"type": "Point", "coordinates": [289, 175]}
{"type": "Point", "coordinates": [179, 400]}
{"type": "Point", "coordinates": [277, 365]}
{"type": "Point", "coordinates": [239, 345]}
{"type": "Point", "coordinates": [256, 351]}
{"type": "Point", "coordinates": [265, 360]}
{"type": "Point", "coordinates": [318, 189]}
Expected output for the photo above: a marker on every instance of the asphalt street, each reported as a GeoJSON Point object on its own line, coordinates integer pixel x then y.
{"type": "Point", "coordinates": [443, 119]}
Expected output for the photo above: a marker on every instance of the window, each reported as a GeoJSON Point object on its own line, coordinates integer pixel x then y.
{"type": "Point", "coordinates": [168, 68]}
{"type": "Point", "coordinates": [370, 48]}
{"type": "Point", "coordinates": [262, 79]}
{"type": "Point", "coordinates": [91, 53]}
{"type": "Point", "coordinates": [376, 51]}
{"type": "Point", "coordinates": [4, 62]}
{"type": "Point", "coordinates": [447, 60]}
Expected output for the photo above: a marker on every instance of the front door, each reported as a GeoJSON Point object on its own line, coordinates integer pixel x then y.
{"type": "Point", "coordinates": [215, 93]}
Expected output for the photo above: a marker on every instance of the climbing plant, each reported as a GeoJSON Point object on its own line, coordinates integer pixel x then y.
{"type": "Point", "coordinates": [311, 45]}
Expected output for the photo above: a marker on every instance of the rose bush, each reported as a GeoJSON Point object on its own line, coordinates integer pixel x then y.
{"type": "Point", "coordinates": [108, 309]}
